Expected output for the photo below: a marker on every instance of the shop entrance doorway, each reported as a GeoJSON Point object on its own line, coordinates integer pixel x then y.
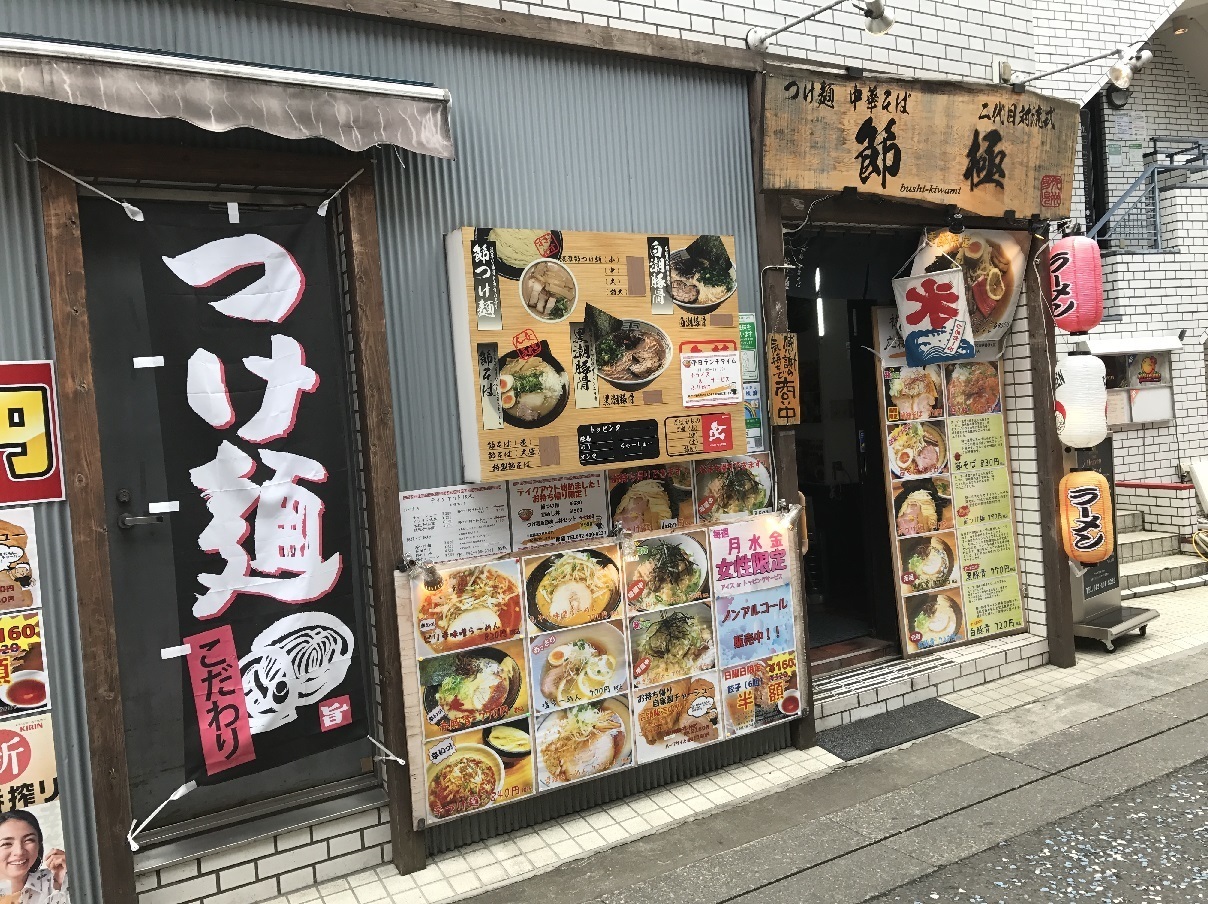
{"type": "Point", "coordinates": [842, 277]}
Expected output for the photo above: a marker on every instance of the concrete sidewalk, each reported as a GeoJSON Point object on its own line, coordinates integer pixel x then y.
{"type": "Point", "coordinates": [582, 842]}
{"type": "Point", "coordinates": [868, 827]}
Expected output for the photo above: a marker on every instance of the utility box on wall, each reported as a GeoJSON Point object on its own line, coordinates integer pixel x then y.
{"type": "Point", "coordinates": [1140, 381]}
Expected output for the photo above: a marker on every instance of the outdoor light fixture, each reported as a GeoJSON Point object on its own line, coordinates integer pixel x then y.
{"type": "Point", "coordinates": [1121, 72]}
{"type": "Point", "coordinates": [1180, 24]}
{"type": "Point", "coordinates": [877, 22]}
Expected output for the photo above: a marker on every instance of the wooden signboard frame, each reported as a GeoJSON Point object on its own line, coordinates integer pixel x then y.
{"type": "Point", "coordinates": [982, 148]}
{"type": "Point", "coordinates": [597, 422]}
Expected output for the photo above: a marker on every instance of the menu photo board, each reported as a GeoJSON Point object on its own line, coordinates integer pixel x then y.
{"type": "Point", "coordinates": [472, 521]}
{"type": "Point", "coordinates": [581, 350]}
{"type": "Point", "coordinates": [28, 774]}
{"type": "Point", "coordinates": [566, 664]}
{"type": "Point", "coordinates": [951, 504]}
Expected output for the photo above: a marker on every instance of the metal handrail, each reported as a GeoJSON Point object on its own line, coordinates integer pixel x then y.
{"type": "Point", "coordinates": [1150, 180]}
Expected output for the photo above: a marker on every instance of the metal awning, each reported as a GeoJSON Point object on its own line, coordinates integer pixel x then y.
{"type": "Point", "coordinates": [355, 113]}
{"type": "Point", "coordinates": [1127, 344]}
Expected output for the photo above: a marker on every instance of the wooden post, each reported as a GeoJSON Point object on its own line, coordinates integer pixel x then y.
{"type": "Point", "coordinates": [381, 499]}
{"type": "Point", "coordinates": [1058, 598]}
{"type": "Point", "coordinates": [89, 534]}
{"type": "Point", "coordinates": [769, 237]}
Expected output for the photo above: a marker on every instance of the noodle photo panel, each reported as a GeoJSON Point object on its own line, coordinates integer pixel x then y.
{"type": "Point", "coordinates": [913, 393]}
{"type": "Point", "coordinates": [650, 498]}
{"type": "Point", "coordinates": [676, 717]}
{"type": "Point", "coordinates": [583, 742]}
{"type": "Point", "coordinates": [917, 449]}
{"type": "Point", "coordinates": [573, 588]}
{"type": "Point", "coordinates": [477, 769]}
{"type": "Point", "coordinates": [473, 688]}
{"type": "Point", "coordinates": [935, 619]}
{"type": "Point", "coordinates": [732, 488]}
{"type": "Point", "coordinates": [666, 571]}
{"type": "Point", "coordinates": [973, 388]}
{"type": "Point", "coordinates": [929, 563]}
{"type": "Point", "coordinates": [760, 693]}
{"type": "Point", "coordinates": [473, 606]}
{"type": "Point", "coordinates": [922, 506]}
{"type": "Point", "coordinates": [671, 643]}
{"type": "Point", "coordinates": [578, 665]}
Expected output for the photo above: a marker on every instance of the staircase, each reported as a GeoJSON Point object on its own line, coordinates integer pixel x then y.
{"type": "Point", "coordinates": [1153, 562]}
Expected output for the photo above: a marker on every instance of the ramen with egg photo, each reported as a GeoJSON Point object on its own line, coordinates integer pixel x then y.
{"type": "Point", "coordinates": [992, 263]}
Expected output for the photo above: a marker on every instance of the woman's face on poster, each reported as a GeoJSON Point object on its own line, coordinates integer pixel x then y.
{"type": "Point", "coordinates": [18, 850]}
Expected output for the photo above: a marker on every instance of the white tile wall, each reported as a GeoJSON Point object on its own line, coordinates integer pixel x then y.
{"type": "Point", "coordinates": [1170, 511]}
{"type": "Point", "coordinates": [274, 866]}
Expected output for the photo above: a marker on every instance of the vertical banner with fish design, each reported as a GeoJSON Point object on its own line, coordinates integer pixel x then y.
{"type": "Point", "coordinates": [258, 454]}
{"type": "Point", "coordinates": [950, 499]}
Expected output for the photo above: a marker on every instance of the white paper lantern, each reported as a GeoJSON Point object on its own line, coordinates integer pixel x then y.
{"type": "Point", "coordinates": [1080, 401]}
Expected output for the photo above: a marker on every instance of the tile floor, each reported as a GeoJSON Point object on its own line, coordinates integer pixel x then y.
{"type": "Point", "coordinates": [469, 871]}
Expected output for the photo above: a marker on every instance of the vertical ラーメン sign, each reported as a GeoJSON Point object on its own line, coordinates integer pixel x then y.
{"type": "Point", "coordinates": [257, 438]}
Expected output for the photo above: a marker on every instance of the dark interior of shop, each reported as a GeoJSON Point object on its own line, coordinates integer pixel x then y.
{"type": "Point", "coordinates": [842, 276]}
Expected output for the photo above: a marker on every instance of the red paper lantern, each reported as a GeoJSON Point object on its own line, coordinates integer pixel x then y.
{"type": "Point", "coordinates": [1076, 288]}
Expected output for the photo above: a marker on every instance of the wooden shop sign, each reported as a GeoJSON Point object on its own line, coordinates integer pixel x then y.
{"type": "Point", "coordinates": [982, 148]}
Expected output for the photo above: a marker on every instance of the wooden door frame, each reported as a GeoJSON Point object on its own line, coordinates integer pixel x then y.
{"type": "Point", "coordinates": [82, 455]}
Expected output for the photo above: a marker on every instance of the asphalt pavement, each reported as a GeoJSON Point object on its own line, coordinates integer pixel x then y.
{"type": "Point", "coordinates": [921, 822]}
{"type": "Point", "coordinates": [1150, 844]}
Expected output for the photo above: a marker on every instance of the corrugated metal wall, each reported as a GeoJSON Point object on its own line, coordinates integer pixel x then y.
{"type": "Point", "coordinates": [546, 137]}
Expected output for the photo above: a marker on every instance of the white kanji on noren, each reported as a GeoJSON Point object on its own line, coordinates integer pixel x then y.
{"type": "Point", "coordinates": [289, 530]}
{"type": "Point", "coordinates": [270, 299]}
{"type": "Point", "coordinates": [287, 377]}
{"type": "Point", "coordinates": [285, 373]}
{"type": "Point", "coordinates": [206, 389]}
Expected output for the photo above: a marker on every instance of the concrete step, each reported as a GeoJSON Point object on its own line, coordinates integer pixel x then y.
{"type": "Point", "coordinates": [1138, 593]}
{"type": "Point", "coordinates": [1128, 522]}
{"type": "Point", "coordinates": [1161, 570]}
{"type": "Point", "coordinates": [1145, 544]}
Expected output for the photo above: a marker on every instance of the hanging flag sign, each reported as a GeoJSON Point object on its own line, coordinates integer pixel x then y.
{"type": "Point", "coordinates": [992, 263]}
{"type": "Point", "coordinates": [934, 317]}
{"type": "Point", "coordinates": [257, 434]}
{"type": "Point", "coordinates": [29, 433]}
